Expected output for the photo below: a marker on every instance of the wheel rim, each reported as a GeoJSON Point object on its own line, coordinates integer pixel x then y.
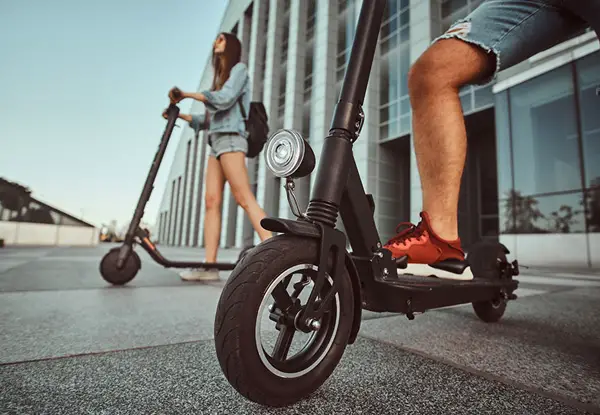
{"type": "Point", "coordinates": [320, 341]}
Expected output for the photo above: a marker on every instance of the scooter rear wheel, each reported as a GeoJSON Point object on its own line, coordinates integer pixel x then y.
{"type": "Point", "coordinates": [114, 275]}
{"type": "Point", "coordinates": [275, 379]}
{"type": "Point", "coordinates": [485, 259]}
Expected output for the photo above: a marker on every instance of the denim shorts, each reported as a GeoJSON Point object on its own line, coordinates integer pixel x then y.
{"type": "Point", "coordinates": [515, 30]}
{"type": "Point", "coordinates": [221, 143]}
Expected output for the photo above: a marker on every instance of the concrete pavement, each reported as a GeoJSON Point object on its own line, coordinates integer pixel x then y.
{"type": "Point", "coordinates": [73, 344]}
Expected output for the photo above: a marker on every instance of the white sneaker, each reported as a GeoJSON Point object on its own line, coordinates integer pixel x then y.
{"type": "Point", "coordinates": [200, 275]}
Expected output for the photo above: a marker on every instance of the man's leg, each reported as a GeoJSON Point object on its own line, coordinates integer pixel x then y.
{"type": "Point", "coordinates": [439, 134]}
{"type": "Point", "coordinates": [499, 34]}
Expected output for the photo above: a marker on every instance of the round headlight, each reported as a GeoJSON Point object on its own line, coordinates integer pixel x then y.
{"type": "Point", "coordinates": [284, 152]}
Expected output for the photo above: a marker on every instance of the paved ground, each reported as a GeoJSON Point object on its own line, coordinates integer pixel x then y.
{"type": "Point", "coordinates": [70, 344]}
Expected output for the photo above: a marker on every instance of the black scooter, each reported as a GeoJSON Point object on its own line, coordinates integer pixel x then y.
{"type": "Point", "coordinates": [121, 264]}
{"type": "Point", "coordinates": [343, 283]}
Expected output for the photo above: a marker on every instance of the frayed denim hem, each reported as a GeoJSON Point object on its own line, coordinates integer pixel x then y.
{"type": "Point", "coordinates": [461, 36]}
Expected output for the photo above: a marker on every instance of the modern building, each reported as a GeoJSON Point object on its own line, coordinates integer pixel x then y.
{"type": "Point", "coordinates": [532, 177]}
{"type": "Point", "coordinates": [25, 220]}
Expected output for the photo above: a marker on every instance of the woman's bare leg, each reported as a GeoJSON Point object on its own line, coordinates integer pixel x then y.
{"type": "Point", "coordinates": [215, 180]}
{"type": "Point", "coordinates": [236, 174]}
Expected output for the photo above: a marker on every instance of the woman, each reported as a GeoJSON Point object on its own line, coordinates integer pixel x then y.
{"type": "Point", "coordinates": [227, 139]}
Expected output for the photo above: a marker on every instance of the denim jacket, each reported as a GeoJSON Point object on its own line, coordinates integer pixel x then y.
{"type": "Point", "coordinates": [223, 113]}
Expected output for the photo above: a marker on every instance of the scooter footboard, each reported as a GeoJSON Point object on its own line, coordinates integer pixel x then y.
{"type": "Point", "coordinates": [293, 227]}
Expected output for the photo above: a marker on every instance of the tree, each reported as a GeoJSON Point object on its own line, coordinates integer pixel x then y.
{"type": "Point", "coordinates": [563, 219]}
{"type": "Point", "coordinates": [521, 213]}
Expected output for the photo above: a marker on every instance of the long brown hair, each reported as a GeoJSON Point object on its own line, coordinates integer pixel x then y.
{"type": "Point", "coordinates": [223, 62]}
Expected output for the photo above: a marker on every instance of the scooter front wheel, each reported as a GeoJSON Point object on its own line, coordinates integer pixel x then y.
{"type": "Point", "coordinates": [278, 372]}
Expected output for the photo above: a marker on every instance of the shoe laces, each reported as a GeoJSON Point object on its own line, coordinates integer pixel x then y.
{"type": "Point", "coordinates": [411, 231]}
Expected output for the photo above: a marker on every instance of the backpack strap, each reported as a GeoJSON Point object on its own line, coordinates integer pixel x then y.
{"type": "Point", "coordinates": [242, 107]}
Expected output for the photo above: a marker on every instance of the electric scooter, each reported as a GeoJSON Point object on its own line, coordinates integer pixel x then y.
{"type": "Point", "coordinates": [121, 264]}
{"type": "Point", "coordinates": [342, 282]}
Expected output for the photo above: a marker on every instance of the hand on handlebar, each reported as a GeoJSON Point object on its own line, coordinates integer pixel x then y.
{"type": "Point", "coordinates": [176, 95]}
{"type": "Point", "coordinates": [185, 117]}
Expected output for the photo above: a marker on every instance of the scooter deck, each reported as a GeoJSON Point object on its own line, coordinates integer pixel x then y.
{"type": "Point", "coordinates": [153, 251]}
{"type": "Point", "coordinates": [413, 293]}
{"type": "Point", "coordinates": [420, 282]}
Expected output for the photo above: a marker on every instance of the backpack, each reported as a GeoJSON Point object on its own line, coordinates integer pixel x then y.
{"type": "Point", "coordinates": [257, 127]}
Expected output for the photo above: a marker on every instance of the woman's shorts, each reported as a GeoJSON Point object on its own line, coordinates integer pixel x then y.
{"type": "Point", "coordinates": [514, 30]}
{"type": "Point", "coordinates": [221, 143]}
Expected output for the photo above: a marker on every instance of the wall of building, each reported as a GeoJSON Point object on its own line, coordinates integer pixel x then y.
{"type": "Point", "coordinates": [548, 140]}
{"type": "Point", "coordinates": [298, 83]}
{"type": "Point", "coordinates": [23, 234]}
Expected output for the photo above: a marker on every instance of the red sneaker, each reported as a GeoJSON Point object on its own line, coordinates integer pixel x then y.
{"type": "Point", "coordinates": [424, 247]}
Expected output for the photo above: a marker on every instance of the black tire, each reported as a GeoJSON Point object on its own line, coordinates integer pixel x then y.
{"type": "Point", "coordinates": [490, 311]}
{"type": "Point", "coordinates": [236, 316]}
{"type": "Point", "coordinates": [483, 259]}
{"type": "Point", "coordinates": [243, 252]}
{"type": "Point", "coordinates": [115, 276]}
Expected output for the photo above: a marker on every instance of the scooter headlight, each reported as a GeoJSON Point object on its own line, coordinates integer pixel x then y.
{"type": "Point", "coordinates": [287, 154]}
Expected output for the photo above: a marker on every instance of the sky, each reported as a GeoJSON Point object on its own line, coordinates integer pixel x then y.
{"type": "Point", "coordinates": [82, 88]}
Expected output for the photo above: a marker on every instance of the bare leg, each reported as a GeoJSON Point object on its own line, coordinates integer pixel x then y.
{"type": "Point", "coordinates": [215, 180]}
{"type": "Point", "coordinates": [234, 168]}
{"type": "Point", "coordinates": [440, 137]}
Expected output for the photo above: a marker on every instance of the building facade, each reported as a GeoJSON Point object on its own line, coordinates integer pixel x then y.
{"type": "Point", "coordinates": [532, 176]}
{"type": "Point", "coordinates": [27, 221]}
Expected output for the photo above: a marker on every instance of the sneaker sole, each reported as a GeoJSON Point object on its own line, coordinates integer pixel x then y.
{"type": "Point", "coordinates": [424, 270]}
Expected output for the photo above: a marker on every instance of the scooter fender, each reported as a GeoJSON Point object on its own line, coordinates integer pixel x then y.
{"type": "Point", "coordinates": [309, 230]}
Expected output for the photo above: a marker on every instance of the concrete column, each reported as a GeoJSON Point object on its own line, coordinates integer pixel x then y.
{"type": "Point", "coordinates": [226, 207]}
{"type": "Point", "coordinates": [266, 181]}
{"type": "Point", "coordinates": [255, 62]}
{"type": "Point", "coordinates": [294, 95]}
{"type": "Point", "coordinates": [323, 83]}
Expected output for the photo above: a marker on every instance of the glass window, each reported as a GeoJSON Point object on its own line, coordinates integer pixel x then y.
{"type": "Point", "coordinates": [405, 34]}
{"type": "Point", "coordinates": [544, 134]}
{"type": "Point", "coordinates": [384, 114]}
{"type": "Point", "coordinates": [465, 102]}
{"type": "Point", "coordinates": [392, 67]}
{"type": "Point", "coordinates": [451, 6]}
{"type": "Point", "coordinates": [588, 80]}
{"type": "Point", "coordinates": [544, 214]}
{"type": "Point", "coordinates": [504, 164]}
{"type": "Point", "coordinates": [383, 132]}
{"type": "Point", "coordinates": [394, 128]}
{"type": "Point", "coordinates": [405, 106]}
{"type": "Point", "coordinates": [484, 97]}
{"type": "Point", "coordinates": [394, 110]}
{"type": "Point", "coordinates": [404, 17]}
{"type": "Point", "coordinates": [389, 44]}
{"type": "Point", "coordinates": [405, 124]}
{"type": "Point", "coordinates": [384, 83]}
{"type": "Point", "coordinates": [341, 44]}
{"type": "Point", "coordinates": [593, 210]}
{"type": "Point", "coordinates": [404, 68]}
{"type": "Point", "coordinates": [506, 221]}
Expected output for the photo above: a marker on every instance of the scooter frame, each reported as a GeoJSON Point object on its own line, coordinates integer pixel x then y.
{"type": "Point", "coordinates": [117, 259]}
{"type": "Point", "coordinates": [338, 189]}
